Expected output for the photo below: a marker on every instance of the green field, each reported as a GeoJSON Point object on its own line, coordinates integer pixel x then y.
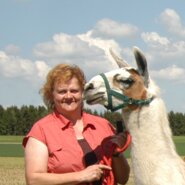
{"type": "Point", "coordinates": [10, 146]}
{"type": "Point", "coordinates": [11, 139]}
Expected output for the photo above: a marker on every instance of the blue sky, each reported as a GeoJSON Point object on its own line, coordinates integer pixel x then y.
{"type": "Point", "coordinates": [36, 35]}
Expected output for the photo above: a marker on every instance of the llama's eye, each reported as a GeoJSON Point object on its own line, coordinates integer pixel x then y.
{"type": "Point", "coordinates": [127, 82]}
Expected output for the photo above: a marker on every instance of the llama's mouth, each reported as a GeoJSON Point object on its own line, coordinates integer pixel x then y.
{"type": "Point", "coordinates": [94, 99]}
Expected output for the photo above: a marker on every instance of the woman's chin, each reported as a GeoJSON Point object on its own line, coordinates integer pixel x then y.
{"type": "Point", "coordinates": [70, 108]}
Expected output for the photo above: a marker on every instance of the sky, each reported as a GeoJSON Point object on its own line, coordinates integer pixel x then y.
{"type": "Point", "coordinates": [36, 35]}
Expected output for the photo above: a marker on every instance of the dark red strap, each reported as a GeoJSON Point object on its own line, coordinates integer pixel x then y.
{"type": "Point", "coordinates": [107, 159]}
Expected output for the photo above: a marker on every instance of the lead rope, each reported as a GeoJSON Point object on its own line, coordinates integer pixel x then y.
{"type": "Point", "coordinates": [107, 158]}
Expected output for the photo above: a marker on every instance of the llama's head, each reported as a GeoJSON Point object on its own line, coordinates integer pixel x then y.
{"type": "Point", "coordinates": [121, 88]}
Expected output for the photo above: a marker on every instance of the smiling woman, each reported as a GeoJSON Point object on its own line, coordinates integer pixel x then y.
{"type": "Point", "coordinates": [65, 147]}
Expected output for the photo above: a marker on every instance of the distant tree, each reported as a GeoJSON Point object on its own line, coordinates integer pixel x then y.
{"type": "Point", "coordinates": [177, 123]}
{"type": "Point", "coordinates": [2, 125]}
{"type": "Point", "coordinates": [171, 117]}
{"type": "Point", "coordinates": [18, 121]}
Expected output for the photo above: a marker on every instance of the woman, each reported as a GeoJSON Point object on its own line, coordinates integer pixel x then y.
{"type": "Point", "coordinates": [64, 147]}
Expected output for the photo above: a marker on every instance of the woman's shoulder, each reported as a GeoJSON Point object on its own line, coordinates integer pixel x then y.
{"type": "Point", "coordinates": [45, 120]}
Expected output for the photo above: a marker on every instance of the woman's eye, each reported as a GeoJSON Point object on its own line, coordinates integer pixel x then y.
{"type": "Point", "coordinates": [62, 91]}
{"type": "Point", "coordinates": [74, 91]}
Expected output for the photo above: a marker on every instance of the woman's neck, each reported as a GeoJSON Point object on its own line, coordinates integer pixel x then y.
{"type": "Point", "coordinates": [73, 116]}
{"type": "Point", "coordinates": [78, 127]}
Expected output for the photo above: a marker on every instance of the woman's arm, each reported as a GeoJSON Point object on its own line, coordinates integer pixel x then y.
{"type": "Point", "coordinates": [36, 160]}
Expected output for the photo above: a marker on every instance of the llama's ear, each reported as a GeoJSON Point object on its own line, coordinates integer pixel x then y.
{"type": "Point", "coordinates": [142, 65]}
{"type": "Point", "coordinates": [121, 63]}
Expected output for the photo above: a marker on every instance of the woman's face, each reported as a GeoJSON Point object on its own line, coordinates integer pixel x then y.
{"type": "Point", "coordinates": [67, 97]}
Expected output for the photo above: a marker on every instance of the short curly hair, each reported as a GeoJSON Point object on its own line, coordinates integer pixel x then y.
{"type": "Point", "coordinates": [60, 73]}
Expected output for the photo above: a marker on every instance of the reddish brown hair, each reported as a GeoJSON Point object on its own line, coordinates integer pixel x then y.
{"type": "Point", "coordinates": [60, 73]}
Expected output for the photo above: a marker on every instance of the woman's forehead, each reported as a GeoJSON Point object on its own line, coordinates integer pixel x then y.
{"type": "Point", "coordinates": [73, 81]}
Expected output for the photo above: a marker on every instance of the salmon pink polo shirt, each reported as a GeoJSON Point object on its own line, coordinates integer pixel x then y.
{"type": "Point", "coordinates": [57, 133]}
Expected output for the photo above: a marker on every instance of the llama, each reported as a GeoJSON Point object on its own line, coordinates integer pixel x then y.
{"type": "Point", "coordinates": [153, 154]}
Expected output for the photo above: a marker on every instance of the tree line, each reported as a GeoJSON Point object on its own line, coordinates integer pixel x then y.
{"type": "Point", "coordinates": [18, 121]}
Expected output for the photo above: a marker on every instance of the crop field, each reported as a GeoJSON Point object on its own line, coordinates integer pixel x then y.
{"type": "Point", "coordinates": [12, 171]}
{"type": "Point", "coordinates": [12, 161]}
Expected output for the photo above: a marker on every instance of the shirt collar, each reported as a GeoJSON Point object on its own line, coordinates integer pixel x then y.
{"type": "Point", "coordinates": [64, 122]}
{"type": "Point", "coordinates": [88, 121]}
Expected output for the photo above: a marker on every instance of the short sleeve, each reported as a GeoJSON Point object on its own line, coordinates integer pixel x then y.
{"type": "Point", "coordinates": [35, 132]}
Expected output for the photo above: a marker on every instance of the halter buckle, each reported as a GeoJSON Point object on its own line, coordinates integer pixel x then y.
{"type": "Point", "coordinates": [130, 101]}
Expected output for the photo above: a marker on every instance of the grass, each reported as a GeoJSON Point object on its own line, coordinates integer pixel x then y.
{"type": "Point", "coordinates": [11, 150]}
{"type": "Point", "coordinates": [10, 146]}
{"type": "Point", "coordinates": [11, 139]}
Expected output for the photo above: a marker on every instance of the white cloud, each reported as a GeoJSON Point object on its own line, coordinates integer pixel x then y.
{"type": "Point", "coordinates": [154, 40]}
{"type": "Point", "coordinates": [82, 49]}
{"type": "Point", "coordinates": [13, 67]}
{"type": "Point", "coordinates": [163, 50]}
{"type": "Point", "coordinates": [170, 49]}
{"type": "Point", "coordinates": [102, 44]}
{"type": "Point", "coordinates": [170, 73]}
{"type": "Point", "coordinates": [173, 22]}
{"type": "Point", "coordinates": [12, 49]}
{"type": "Point", "coordinates": [85, 49]}
{"type": "Point", "coordinates": [90, 52]}
{"type": "Point", "coordinates": [61, 45]}
{"type": "Point", "coordinates": [42, 69]}
{"type": "Point", "coordinates": [65, 47]}
{"type": "Point", "coordinates": [107, 28]}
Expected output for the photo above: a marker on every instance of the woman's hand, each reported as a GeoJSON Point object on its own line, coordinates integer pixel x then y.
{"type": "Point", "coordinates": [93, 172]}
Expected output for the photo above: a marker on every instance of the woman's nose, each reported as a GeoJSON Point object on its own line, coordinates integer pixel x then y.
{"type": "Point", "coordinates": [68, 94]}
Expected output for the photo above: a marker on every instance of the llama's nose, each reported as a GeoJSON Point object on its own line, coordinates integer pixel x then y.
{"type": "Point", "coordinates": [89, 86]}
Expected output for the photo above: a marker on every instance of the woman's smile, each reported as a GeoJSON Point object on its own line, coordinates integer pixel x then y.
{"type": "Point", "coordinates": [67, 96]}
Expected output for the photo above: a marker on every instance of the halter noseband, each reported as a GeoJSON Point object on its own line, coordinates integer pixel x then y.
{"type": "Point", "coordinates": [126, 100]}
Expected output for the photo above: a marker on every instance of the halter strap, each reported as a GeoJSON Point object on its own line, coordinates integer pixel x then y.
{"type": "Point", "coordinates": [126, 100]}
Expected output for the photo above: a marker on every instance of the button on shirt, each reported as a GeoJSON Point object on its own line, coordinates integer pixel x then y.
{"type": "Point", "coordinates": [57, 133]}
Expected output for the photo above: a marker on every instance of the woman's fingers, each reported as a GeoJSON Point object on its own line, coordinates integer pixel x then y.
{"type": "Point", "coordinates": [104, 167]}
{"type": "Point", "coordinates": [95, 172]}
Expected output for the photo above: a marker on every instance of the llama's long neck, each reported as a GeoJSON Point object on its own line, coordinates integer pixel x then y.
{"type": "Point", "coordinates": [152, 149]}
{"type": "Point", "coordinates": [149, 125]}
